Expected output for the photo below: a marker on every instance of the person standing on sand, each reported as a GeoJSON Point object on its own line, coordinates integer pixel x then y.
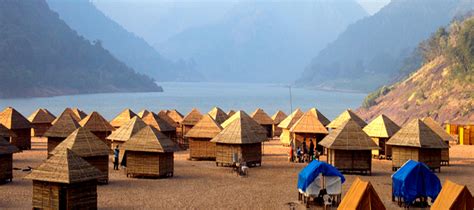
{"type": "Point", "coordinates": [311, 150]}
{"type": "Point", "coordinates": [116, 158]}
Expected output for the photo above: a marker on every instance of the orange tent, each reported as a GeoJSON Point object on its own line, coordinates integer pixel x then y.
{"type": "Point", "coordinates": [361, 196]}
{"type": "Point", "coordinates": [454, 196]}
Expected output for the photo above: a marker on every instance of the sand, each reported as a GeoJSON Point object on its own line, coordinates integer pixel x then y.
{"type": "Point", "coordinates": [202, 185]}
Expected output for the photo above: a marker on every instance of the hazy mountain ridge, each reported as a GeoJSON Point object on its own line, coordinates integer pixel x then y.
{"type": "Point", "coordinates": [372, 51]}
{"type": "Point", "coordinates": [87, 20]}
{"type": "Point", "coordinates": [41, 56]}
{"type": "Point", "coordinates": [441, 88]}
{"type": "Point", "coordinates": [260, 41]}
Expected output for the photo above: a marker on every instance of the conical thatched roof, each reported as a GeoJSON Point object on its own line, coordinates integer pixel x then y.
{"type": "Point", "coordinates": [278, 117]}
{"type": "Point", "coordinates": [127, 130]}
{"type": "Point", "coordinates": [381, 127]}
{"type": "Point", "coordinates": [437, 129]}
{"type": "Point", "coordinates": [349, 136]}
{"type": "Point", "coordinates": [344, 116]}
{"type": "Point", "coordinates": [320, 116]}
{"type": "Point", "coordinates": [12, 119]}
{"type": "Point", "coordinates": [95, 122]}
{"type": "Point", "coordinates": [230, 113]}
{"type": "Point", "coordinates": [417, 134]}
{"type": "Point", "coordinates": [309, 123]}
{"type": "Point", "coordinates": [143, 113]}
{"type": "Point", "coordinates": [205, 128]}
{"type": "Point", "coordinates": [218, 115]}
{"type": "Point", "coordinates": [83, 143]}
{"type": "Point", "coordinates": [291, 119]}
{"type": "Point", "coordinates": [261, 117]}
{"type": "Point", "coordinates": [79, 113]}
{"type": "Point", "coordinates": [192, 117]}
{"type": "Point", "coordinates": [41, 116]}
{"type": "Point", "coordinates": [162, 114]}
{"type": "Point", "coordinates": [69, 112]}
{"type": "Point", "coordinates": [247, 119]}
{"type": "Point", "coordinates": [149, 139]}
{"type": "Point", "coordinates": [242, 130]}
{"type": "Point", "coordinates": [65, 167]}
{"type": "Point", "coordinates": [175, 115]}
{"type": "Point", "coordinates": [7, 148]}
{"type": "Point", "coordinates": [157, 122]}
{"type": "Point", "coordinates": [65, 124]}
{"type": "Point", "coordinates": [123, 118]}
{"type": "Point", "coordinates": [5, 132]}
{"type": "Point", "coordinates": [453, 196]}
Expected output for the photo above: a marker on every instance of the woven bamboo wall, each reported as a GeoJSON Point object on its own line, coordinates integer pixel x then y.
{"type": "Point", "coordinates": [250, 153]}
{"type": "Point", "coordinates": [101, 163]}
{"type": "Point", "coordinates": [53, 142]}
{"type": "Point", "coordinates": [400, 155]}
{"type": "Point", "coordinates": [285, 137]}
{"type": "Point", "coordinates": [351, 160]}
{"type": "Point", "coordinates": [6, 166]}
{"type": "Point", "coordinates": [445, 155]}
{"type": "Point", "coordinates": [38, 129]}
{"type": "Point", "coordinates": [149, 164]}
{"type": "Point", "coordinates": [166, 163]}
{"type": "Point", "coordinates": [431, 157]}
{"type": "Point", "coordinates": [276, 130]}
{"type": "Point", "coordinates": [202, 148]}
{"type": "Point", "coordinates": [82, 195]}
{"type": "Point", "coordinates": [22, 139]}
{"type": "Point", "coordinates": [269, 129]}
{"type": "Point", "coordinates": [47, 195]}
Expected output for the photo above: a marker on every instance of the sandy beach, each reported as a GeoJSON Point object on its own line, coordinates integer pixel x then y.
{"type": "Point", "coordinates": [202, 185]}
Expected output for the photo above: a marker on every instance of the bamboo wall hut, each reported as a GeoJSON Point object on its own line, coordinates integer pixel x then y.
{"type": "Point", "coordinates": [349, 149]}
{"type": "Point", "coordinates": [187, 124]}
{"type": "Point", "coordinates": [6, 133]}
{"type": "Point", "coordinates": [126, 131]}
{"type": "Point", "coordinates": [218, 115]}
{"type": "Point", "coordinates": [62, 128]}
{"type": "Point", "coordinates": [262, 118]}
{"type": "Point", "coordinates": [69, 112]}
{"type": "Point", "coordinates": [98, 125]}
{"type": "Point", "coordinates": [164, 115]}
{"type": "Point", "coordinates": [79, 113]}
{"type": "Point", "coordinates": [149, 153]}
{"type": "Point", "coordinates": [309, 128]}
{"type": "Point", "coordinates": [143, 113]}
{"type": "Point", "coordinates": [444, 135]}
{"type": "Point", "coordinates": [230, 113]}
{"type": "Point", "coordinates": [64, 181]}
{"type": "Point", "coordinates": [277, 118]}
{"type": "Point", "coordinates": [175, 115]}
{"type": "Point", "coordinates": [41, 120]}
{"type": "Point", "coordinates": [90, 148]}
{"type": "Point", "coordinates": [122, 118]}
{"type": "Point", "coordinates": [380, 130]}
{"type": "Point", "coordinates": [361, 195]}
{"type": "Point", "coordinates": [200, 145]}
{"type": "Point", "coordinates": [241, 137]}
{"type": "Point", "coordinates": [416, 141]}
{"type": "Point", "coordinates": [19, 125]}
{"type": "Point", "coordinates": [343, 117]}
{"type": "Point", "coordinates": [161, 125]}
{"type": "Point", "coordinates": [286, 124]}
{"type": "Point", "coordinates": [453, 196]}
{"type": "Point", "coordinates": [6, 160]}
{"type": "Point", "coordinates": [177, 118]}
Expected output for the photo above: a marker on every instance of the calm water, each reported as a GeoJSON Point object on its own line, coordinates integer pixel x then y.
{"type": "Point", "coordinates": [204, 96]}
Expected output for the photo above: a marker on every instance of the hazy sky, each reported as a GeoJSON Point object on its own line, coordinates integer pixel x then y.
{"type": "Point", "coordinates": [372, 6]}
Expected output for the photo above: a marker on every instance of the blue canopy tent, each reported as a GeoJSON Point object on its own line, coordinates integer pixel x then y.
{"type": "Point", "coordinates": [313, 169]}
{"type": "Point", "coordinates": [413, 180]}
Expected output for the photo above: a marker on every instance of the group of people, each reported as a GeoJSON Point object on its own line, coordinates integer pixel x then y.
{"type": "Point", "coordinates": [303, 154]}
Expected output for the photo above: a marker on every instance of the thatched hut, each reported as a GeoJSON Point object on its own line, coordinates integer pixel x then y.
{"type": "Point", "coordinates": [175, 115]}
{"type": "Point", "coordinates": [361, 195]}
{"type": "Point", "coordinates": [65, 181]}
{"type": "Point", "coordinates": [444, 135]}
{"type": "Point", "coordinates": [126, 131]}
{"type": "Point", "coordinates": [349, 148]}
{"type": "Point", "coordinates": [149, 153]}
{"type": "Point", "coordinates": [200, 145]}
{"type": "Point", "coordinates": [380, 130]}
{"type": "Point", "coordinates": [143, 113]}
{"type": "Point", "coordinates": [277, 118]}
{"type": "Point", "coordinates": [163, 114]}
{"type": "Point", "coordinates": [230, 113]}
{"type": "Point", "coordinates": [453, 196]}
{"type": "Point", "coordinates": [69, 112]}
{"type": "Point", "coordinates": [416, 141]}
{"type": "Point", "coordinates": [79, 113]}
{"type": "Point", "coordinates": [62, 128]}
{"type": "Point", "coordinates": [87, 146]}
{"type": "Point", "coordinates": [161, 125]}
{"type": "Point", "coordinates": [41, 120]}
{"type": "Point", "coordinates": [343, 117]}
{"type": "Point", "coordinates": [309, 128]}
{"type": "Point", "coordinates": [98, 125]}
{"type": "Point", "coordinates": [286, 124]}
{"type": "Point", "coordinates": [19, 125]}
{"type": "Point", "coordinates": [262, 118]}
{"type": "Point", "coordinates": [177, 118]}
{"type": "Point", "coordinates": [241, 137]}
{"type": "Point", "coordinates": [191, 119]}
{"type": "Point", "coordinates": [6, 133]}
{"type": "Point", "coordinates": [218, 115]}
{"type": "Point", "coordinates": [6, 160]}
{"type": "Point", "coordinates": [122, 118]}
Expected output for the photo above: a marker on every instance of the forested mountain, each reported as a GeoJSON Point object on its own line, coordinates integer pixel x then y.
{"type": "Point", "coordinates": [88, 21]}
{"type": "Point", "coordinates": [41, 56]}
{"type": "Point", "coordinates": [377, 49]}
{"type": "Point", "coordinates": [442, 88]}
{"type": "Point", "coordinates": [263, 41]}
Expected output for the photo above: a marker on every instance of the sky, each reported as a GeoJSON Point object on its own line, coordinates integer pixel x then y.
{"type": "Point", "coordinates": [373, 6]}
